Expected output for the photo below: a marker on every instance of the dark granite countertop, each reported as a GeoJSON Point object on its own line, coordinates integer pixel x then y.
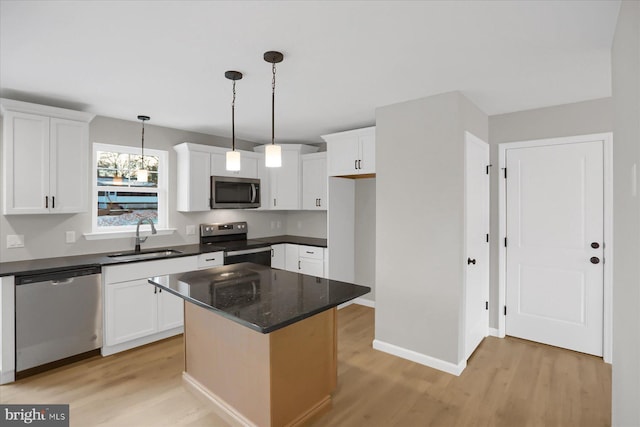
{"type": "Point", "coordinates": [259, 297]}
{"type": "Point", "coordinates": [47, 265]}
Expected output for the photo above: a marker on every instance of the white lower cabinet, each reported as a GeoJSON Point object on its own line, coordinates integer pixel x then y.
{"type": "Point", "coordinates": [136, 312]}
{"type": "Point", "coordinates": [300, 259]}
{"type": "Point", "coordinates": [278, 256]}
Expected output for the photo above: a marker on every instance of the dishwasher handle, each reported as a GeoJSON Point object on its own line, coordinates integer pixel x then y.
{"type": "Point", "coordinates": [62, 282]}
{"type": "Point", "coordinates": [60, 275]}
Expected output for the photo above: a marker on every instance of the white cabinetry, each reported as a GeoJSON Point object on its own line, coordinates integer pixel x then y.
{"type": "Point", "coordinates": [352, 152]}
{"type": "Point", "coordinates": [283, 190]}
{"type": "Point", "coordinates": [45, 159]}
{"type": "Point", "coordinates": [303, 259]}
{"type": "Point", "coordinates": [196, 164]}
{"type": "Point", "coordinates": [314, 181]}
{"type": "Point", "coordinates": [248, 165]}
{"type": "Point", "coordinates": [193, 179]}
{"type": "Point", "coordinates": [136, 312]}
{"type": "Point", "coordinates": [278, 256]}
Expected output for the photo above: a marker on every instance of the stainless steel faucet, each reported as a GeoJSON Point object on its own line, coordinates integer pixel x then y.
{"type": "Point", "coordinates": [143, 239]}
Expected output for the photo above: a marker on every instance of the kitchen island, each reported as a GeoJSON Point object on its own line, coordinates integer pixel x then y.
{"type": "Point", "coordinates": [260, 343]}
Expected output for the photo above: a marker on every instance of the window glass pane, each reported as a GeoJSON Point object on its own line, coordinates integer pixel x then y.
{"type": "Point", "coordinates": [120, 169]}
{"type": "Point", "coordinates": [122, 208]}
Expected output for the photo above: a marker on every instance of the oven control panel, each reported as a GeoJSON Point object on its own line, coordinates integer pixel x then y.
{"type": "Point", "coordinates": [222, 229]}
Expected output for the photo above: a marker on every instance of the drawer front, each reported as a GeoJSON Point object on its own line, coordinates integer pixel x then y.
{"type": "Point", "coordinates": [146, 269]}
{"type": "Point", "coordinates": [313, 252]}
{"type": "Point", "coordinates": [210, 260]}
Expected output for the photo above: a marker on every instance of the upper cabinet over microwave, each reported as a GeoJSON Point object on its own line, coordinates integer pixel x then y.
{"type": "Point", "coordinates": [352, 153]}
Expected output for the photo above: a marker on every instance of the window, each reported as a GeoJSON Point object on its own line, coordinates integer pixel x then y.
{"type": "Point", "coordinates": [119, 199]}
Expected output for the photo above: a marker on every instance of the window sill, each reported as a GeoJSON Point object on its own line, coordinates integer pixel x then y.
{"type": "Point", "coordinates": [126, 234]}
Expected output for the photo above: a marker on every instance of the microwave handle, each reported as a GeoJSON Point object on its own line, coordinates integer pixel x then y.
{"type": "Point", "coordinates": [253, 193]}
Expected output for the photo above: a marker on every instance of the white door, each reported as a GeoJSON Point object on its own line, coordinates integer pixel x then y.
{"type": "Point", "coordinates": [476, 242]}
{"type": "Point", "coordinates": [555, 229]}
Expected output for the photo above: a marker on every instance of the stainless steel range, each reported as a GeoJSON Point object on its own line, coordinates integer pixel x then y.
{"type": "Point", "coordinates": [231, 238]}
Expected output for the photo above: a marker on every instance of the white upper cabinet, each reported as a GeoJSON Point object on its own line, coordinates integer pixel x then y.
{"type": "Point", "coordinates": [196, 164]}
{"type": "Point", "coordinates": [193, 178]}
{"type": "Point", "coordinates": [351, 153]}
{"type": "Point", "coordinates": [314, 181]}
{"type": "Point", "coordinates": [248, 165]}
{"type": "Point", "coordinates": [284, 183]}
{"type": "Point", "coordinates": [45, 152]}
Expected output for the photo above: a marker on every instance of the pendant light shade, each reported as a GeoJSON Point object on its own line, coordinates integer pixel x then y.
{"type": "Point", "coordinates": [273, 154]}
{"type": "Point", "coordinates": [233, 156]}
{"type": "Point", "coordinates": [142, 174]}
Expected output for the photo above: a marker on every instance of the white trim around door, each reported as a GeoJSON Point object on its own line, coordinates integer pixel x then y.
{"type": "Point", "coordinates": [607, 139]}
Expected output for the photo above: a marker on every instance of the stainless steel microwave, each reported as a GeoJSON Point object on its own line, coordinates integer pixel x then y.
{"type": "Point", "coordinates": [234, 193]}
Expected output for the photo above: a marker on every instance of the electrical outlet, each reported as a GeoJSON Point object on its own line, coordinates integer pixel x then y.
{"type": "Point", "coordinates": [70, 236]}
{"type": "Point", "coordinates": [15, 241]}
{"type": "Point", "coordinates": [191, 230]}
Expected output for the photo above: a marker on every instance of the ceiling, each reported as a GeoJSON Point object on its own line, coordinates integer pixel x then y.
{"type": "Point", "coordinates": [342, 59]}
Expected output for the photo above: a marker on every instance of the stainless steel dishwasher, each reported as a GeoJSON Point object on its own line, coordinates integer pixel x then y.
{"type": "Point", "coordinates": [58, 315]}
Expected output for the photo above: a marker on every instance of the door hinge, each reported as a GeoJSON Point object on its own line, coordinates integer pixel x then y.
{"type": "Point", "coordinates": [488, 166]}
{"type": "Point", "coordinates": [487, 237]}
{"type": "Point", "coordinates": [505, 310]}
{"type": "Point", "coordinates": [486, 305]}
{"type": "Point", "coordinates": [505, 173]}
{"type": "Point", "coordinates": [505, 242]}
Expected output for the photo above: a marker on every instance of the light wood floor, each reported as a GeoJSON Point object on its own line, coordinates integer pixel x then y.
{"type": "Point", "coordinates": [508, 382]}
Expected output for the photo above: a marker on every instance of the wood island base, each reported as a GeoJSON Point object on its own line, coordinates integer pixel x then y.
{"type": "Point", "coordinates": [283, 378]}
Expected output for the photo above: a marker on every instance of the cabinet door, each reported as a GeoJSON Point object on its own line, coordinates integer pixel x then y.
{"type": "Point", "coordinates": [278, 256]}
{"type": "Point", "coordinates": [285, 182]}
{"type": "Point", "coordinates": [131, 311]}
{"type": "Point", "coordinates": [69, 141]}
{"type": "Point", "coordinates": [367, 158]}
{"type": "Point", "coordinates": [314, 182]}
{"type": "Point", "coordinates": [264, 173]}
{"type": "Point", "coordinates": [195, 196]}
{"type": "Point", "coordinates": [342, 156]}
{"type": "Point", "coordinates": [219, 165]}
{"type": "Point", "coordinates": [170, 311]}
{"type": "Point", "coordinates": [291, 257]}
{"type": "Point", "coordinates": [311, 266]}
{"type": "Point", "coordinates": [26, 160]}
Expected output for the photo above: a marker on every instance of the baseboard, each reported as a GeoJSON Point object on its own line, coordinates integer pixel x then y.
{"type": "Point", "coordinates": [420, 358]}
{"type": "Point", "coordinates": [494, 332]}
{"type": "Point", "coordinates": [359, 301]}
{"type": "Point", "coordinates": [108, 350]}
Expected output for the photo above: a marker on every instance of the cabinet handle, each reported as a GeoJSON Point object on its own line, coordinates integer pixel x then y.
{"type": "Point", "coordinates": [274, 203]}
{"type": "Point", "coordinates": [53, 202]}
{"type": "Point", "coordinates": [359, 164]}
{"type": "Point", "coordinates": [355, 164]}
{"type": "Point", "coordinates": [319, 202]}
{"type": "Point", "coordinates": [210, 259]}
{"type": "Point", "coordinates": [310, 252]}
{"type": "Point", "coordinates": [155, 290]}
{"type": "Point", "coordinates": [46, 202]}
{"type": "Point", "coordinates": [298, 264]}
{"type": "Point", "coordinates": [272, 253]}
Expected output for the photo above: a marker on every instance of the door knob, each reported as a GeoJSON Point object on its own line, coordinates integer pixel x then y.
{"type": "Point", "coordinates": [471, 261]}
{"type": "Point", "coordinates": [595, 260]}
{"type": "Point", "coordinates": [595, 245]}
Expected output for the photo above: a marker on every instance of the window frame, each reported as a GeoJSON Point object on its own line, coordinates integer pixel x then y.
{"type": "Point", "coordinates": [161, 190]}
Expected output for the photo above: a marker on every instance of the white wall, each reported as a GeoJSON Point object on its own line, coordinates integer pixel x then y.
{"type": "Point", "coordinates": [420, 178]}
{"type": "Point", "coordinates": [365, 235]}
{"type": "Point", "coordinates": [580, 118]}
{"type": "Point", "coordinates": [45, 234]}
{"type": "Point", "coordinates": [626, 249]}
{"type": "Point", "coordinates": [306, 223]}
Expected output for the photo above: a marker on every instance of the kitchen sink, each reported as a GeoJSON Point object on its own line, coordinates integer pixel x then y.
{"type": "Point", "coordinates": [138, 256]}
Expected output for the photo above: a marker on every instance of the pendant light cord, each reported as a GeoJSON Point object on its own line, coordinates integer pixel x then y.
{"type": "Point", "coordinates": [142, 160]}
{"type": "Point", "coordinates": [273, 103]}
{"type": "Point", "coordinates": [233, 118]}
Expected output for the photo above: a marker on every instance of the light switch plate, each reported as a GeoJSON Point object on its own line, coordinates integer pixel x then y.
{"type": "Point", "coordinates": [15, 241]}
{"type": "Point", "coordinates": [70, 236]}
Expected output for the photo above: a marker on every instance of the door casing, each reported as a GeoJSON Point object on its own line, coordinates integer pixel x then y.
{"type": "Point", "coordinates": [607, 139]}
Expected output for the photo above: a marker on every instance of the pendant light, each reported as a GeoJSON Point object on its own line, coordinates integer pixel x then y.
{"type": "Point", "coordinates": [273, 155]}
{"type": "Point", "coordinates": [233, 156]}
{"type": "Point", "coordinates": [142, 175]}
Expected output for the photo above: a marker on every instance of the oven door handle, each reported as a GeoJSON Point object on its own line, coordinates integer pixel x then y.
{"type": "Point", "coordinates": [248, 251]}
